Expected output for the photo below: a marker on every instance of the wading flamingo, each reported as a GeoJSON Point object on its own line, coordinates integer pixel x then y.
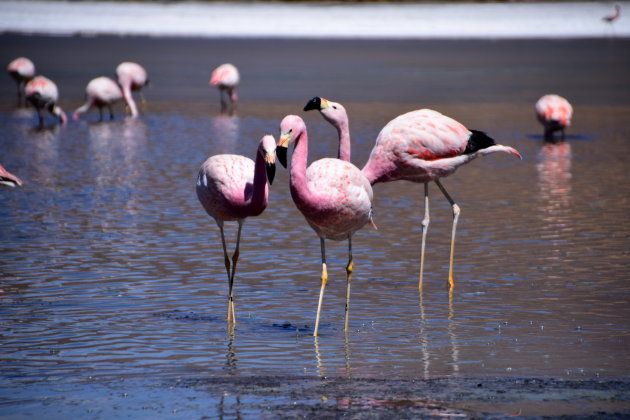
{"type": "Point", "coordinates": [335, 114]}
{"type": "Point", "coordinates": [226, 78]}
{"type": "Point", "coordinates": [42, 93]}
{"type": "Point", "coordinates": [610, 18]}
{"type": "Point", "coordinates": [232, 188]}
{"type": "Point", "coordinates": [423, 146]}
{"type": "Point", "coordinates": [8, 179]}
{"type": "Point", "coordinates": [21, 70]}
{"type": "Point", "coordinates": [131, 77]}
{"type": "Point", "coordinates": [100, 92]}
{"type": "Point", "coordinates": [554, 112]}
{"type": "Point", "coordinates": [333, 196]}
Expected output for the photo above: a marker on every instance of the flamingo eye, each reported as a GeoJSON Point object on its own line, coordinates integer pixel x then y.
{"type": "Point", "coordinates": [334, 106]}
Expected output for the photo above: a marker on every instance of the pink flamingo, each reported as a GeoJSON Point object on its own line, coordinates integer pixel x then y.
{"type": "Point", "coordinates": [232, 188]}
{"type": "Point", "coordinates": [335, 114]}
{"type": "Point", "coordinates": [554, 112]}
{"type": "Point", "coordinates": [226, 78]}
{"type": "Point", "coordinates": [610, 18]}
{"type": "Point", "coordinates": [101, 92]}
{"type": "Point", "coordinates": [131, 77]}
{"type": "Point", "coordinates": [423, 146]}
{"type": "Point", "coordinates": [21, 70]}
{"type": "Point", "coordinates": [42, 93]}
{"type": "Point", "coordinates": [8, 179]}
{"type": "Point", "coordinates": [333, 196]}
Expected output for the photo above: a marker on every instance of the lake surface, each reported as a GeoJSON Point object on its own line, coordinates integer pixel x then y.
{"type": "Point", "coordinates": [110, 268]}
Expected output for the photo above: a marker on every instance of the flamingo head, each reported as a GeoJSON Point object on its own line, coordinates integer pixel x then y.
{"type": "Point", "coordinates": [267, 149]}
{"type": "Point", "coordinates": [333, 112]}
{"type": "Point", "coordinates": [291, 128]}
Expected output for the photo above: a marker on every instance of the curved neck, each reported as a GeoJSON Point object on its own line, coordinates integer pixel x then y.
{"type": "Point", "coordinates": [343, 128]}
{"type": "Point", "coordinates": [299, 186]}
{"type": "Point", "coordinates": [258, 200]}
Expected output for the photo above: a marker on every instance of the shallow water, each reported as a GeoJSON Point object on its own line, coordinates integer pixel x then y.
{"type": "Point", "coordinates": [109, 266]}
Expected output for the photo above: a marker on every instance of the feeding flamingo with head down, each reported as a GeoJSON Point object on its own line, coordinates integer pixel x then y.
{"type": "Point", "coordinates": [42, 93]}
{"type": "Point", "coordinates": [333, 196]}
{"type": "Point", "coordinates": [423, 146]}
{"type": "Point", "coordinates": [554, 112]}
{"type": "Point", "coordinates": [8, 179]}
{"type": "Point", "coordinates": [21, 70]}
{"type": "Point", "coordinates": [131, 77]}
{"type": "Point", "coordinates": [226, 77]}
{"type": "Point", "coordinates": [100, 92]}
{"type": "Point", "coordinates": [232, 188]}
{"type": "Point", "coordinates": [610, 18]}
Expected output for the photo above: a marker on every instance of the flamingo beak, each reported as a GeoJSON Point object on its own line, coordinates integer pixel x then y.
{"type": "Point", "coordinates": [281, 150]}
{"type": "Point", "coordinates": [314, 103]}
{"type": "Point", "coordinates": [270, 166]}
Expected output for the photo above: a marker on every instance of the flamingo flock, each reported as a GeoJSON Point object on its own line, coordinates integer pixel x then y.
{"type": "Point", "coordinates": [334, 196]}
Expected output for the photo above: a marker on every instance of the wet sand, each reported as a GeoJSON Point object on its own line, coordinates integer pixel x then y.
{"type": "Point", "coordinates": [484, 83]}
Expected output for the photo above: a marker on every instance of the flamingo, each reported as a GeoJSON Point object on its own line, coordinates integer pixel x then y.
{"type": "Point", "coordinates": [232, 188]}
{"type": "Point", "coordinates": [226, 78]}
{"type": "Point", "coordinates": [101, 91]}
{"type": "Point", "coordinates": [333, 196]}
{"type": "Point", "coordinates": [335, 114]}
{"type": "Point", "coordinates": [21, 70]}
{"type": "Point", "coordinates": [8, 179]}
{"type": "Point", "coordinates": [423, 146]}
{"type": "Point", "coordinates": [610, 18]}
{"type": "Point", "coordinates": [42, 93]}
{"type": "Point", "coordinates": [554, 112]}
{"type": "Point", "coordinates": [131, 77]}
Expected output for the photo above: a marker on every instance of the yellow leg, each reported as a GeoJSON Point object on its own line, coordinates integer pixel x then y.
{"type": "Point", "coordinates": [456, 211]}
{"type": "Point", "coordinates": [324, 279]}
{"type": "Point", "coordinates": [349, 269]}
{"type": "Point", "coordinates": [425, 228]}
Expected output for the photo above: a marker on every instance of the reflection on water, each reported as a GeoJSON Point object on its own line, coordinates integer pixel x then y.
{"type": "Point", "coordinates": [225, 133]}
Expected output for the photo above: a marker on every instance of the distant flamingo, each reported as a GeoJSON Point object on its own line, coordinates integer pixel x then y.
{"type": "Point", "coordinates": [554, 112]}
{"type": "Point", "coordinates": [101, 92]}
{"type": "Point", "coordinates": [335, 114]}
{"type": "Point", "coordinates": [131, 77]}
{"type": "Point", "coordinates": [42, 93]}
{"type": "Point", "coordinates": [8, 179]}
{"type": "Point", "coordinates": [232, 188]}
{"type": "Point", "coordinates": [423, 146]}
{"type": "Point", "coordinates": [21, 70]}
{"type": "Point", "coordinates": [610, 18]}
{"type": "Point", "coordinates": [226, 78]}
{"type": "Point", "coordinates": [333, 196]}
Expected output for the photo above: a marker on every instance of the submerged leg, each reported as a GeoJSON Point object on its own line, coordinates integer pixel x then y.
{"type": "Point", "coordinates": [228, 264]}
{"type": "Point", "coordinates": [456, 211]}
{"type": "Point", "coordinates": [324, 279]}
{"type": "Point", "coordinates": [425, 228]}
{"type": "Point", "coordinates": [349, 268]}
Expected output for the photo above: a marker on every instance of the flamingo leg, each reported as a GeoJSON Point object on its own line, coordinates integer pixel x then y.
{"type": "Point", "coordinates": [223, 101]}
{"type": "Point", "coordinates": [456, 212]}
{"type": "Point", "coordinates": [349, 269]}
{"type": "Point", "coordinates": [226, 259]}
{"type": "Point", "coordinates": [425, 227]}
{"type": "Point", "coordinates": [324, 279]}
{"type": "Point", "coordinates": [234, 261]}
{"type": "Point", "coordinates": [111, 112]}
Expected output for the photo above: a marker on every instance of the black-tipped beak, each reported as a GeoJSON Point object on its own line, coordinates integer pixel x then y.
{"type": "Point", "coordinates": [271, 172]}
{"type": "Point", "coordinates": [315, 103]}
{"type": "Point", "coordinates": [281, 154]}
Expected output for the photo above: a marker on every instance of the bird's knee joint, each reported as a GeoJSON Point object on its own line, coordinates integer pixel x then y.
{"type": "Point", "coordinates": [456, 210]}
{"type": "Point", "coordinates": [426, 221]}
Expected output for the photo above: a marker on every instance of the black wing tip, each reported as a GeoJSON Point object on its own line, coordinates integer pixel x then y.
{"type": "Point", "coordinates": [478, 140]}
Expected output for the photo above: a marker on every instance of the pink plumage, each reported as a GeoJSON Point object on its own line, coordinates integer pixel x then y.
{"type": "Point", "coordinates": [226, 78]}
{"type": "Point", "coordinates": [43, 94]}
{"type": "Point", "coordinates": [100, 92]}
{"type": "Point", "coordinates": [21, 70]}
{"type": "Point", "coordinates": [335, 114]}
{"type": "Point", "coordinates": [7, 178]}
{"type": "Point", "coordinates": [232, 188]}
{"type": "Point", "coordinates": [423, 146]}
{"type": "Point", "coordinates": [333, 196]}
{"type": "Point", "coordinates": [131, 77]}
{"type": "Point", "coordinates": [554, 112]}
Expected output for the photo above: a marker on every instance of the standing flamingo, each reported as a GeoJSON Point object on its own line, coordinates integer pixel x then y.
{"type": "Point", "coordinates": [101, 92]}
{"type": "Point", "coordinates": [226, 78]}
{"type": "Point", "coordinates": [610, 18]}
{"type": "Point", "coordinates": [8, 179]}
{"type": "Point", "coordinates": [333, 196]}
{"type": "Point", "coordinates": [554, 112]}
{"type": "Point", "coordinates": [131, 77]}
{"type": "Point", "coordinates": [232, 188]}
{"type": "Point", "coordinates": [423, 146]}
{"type": "Point", "coordinates": [336, 114]}
{"type": "Point", "coordinates": [42, 93]}
{"type": "Point", "coordinates": [21, 70]}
